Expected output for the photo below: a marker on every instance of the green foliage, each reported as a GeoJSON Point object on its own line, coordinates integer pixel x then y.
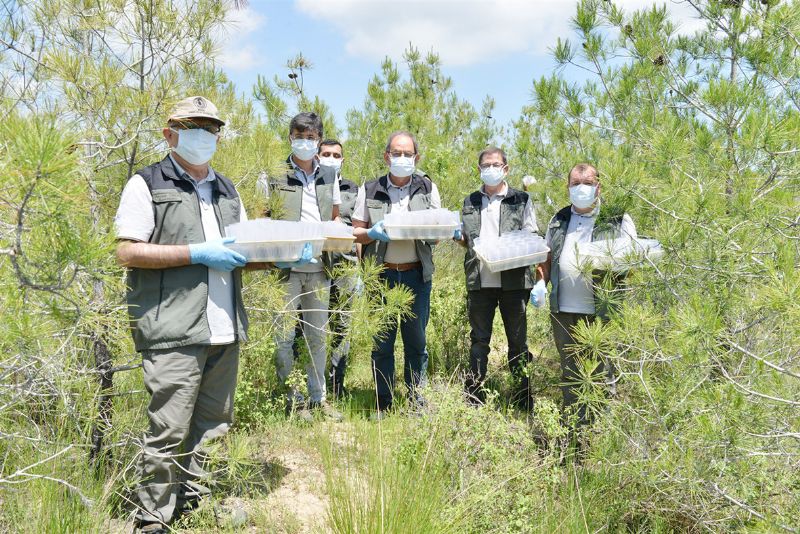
{"type": "Point", "coordinates": [682, 134]}
{"type": "Point", "coordinates": [695, 137]}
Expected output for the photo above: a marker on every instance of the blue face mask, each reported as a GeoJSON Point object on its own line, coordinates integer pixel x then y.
{"type": "Point", "coordinates": [304, 149]}
{"type": "Point", "coordinates": [582, 196]}
{"type": "Point", "coordinates": [196, 146]}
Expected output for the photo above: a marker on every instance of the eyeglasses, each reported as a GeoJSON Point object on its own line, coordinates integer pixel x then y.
{"type": "Point", "coordinates": [210, 128]}
{"type": "Point", "coordinates": [401, 154]}
{"type": "Point", "coordinates": [496, 165]}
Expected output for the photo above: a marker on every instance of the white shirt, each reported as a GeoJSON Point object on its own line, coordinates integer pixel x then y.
{"type": "Point", "coordinates": [135, 221]}
{"type": "Point", "coordinates": [309, 208]}
{"type": "Point", "coordinates": [396, 251]}
{"type": "Point", "coordinates": [490, 227]}
{"type": "Point", "coordinates": [575, 293]}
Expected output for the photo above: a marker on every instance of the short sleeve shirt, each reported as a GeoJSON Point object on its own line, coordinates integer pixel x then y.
{"type": "Point", "coordinates": [575, 294]}
{"type": "Point", "coordinates": [396, 251]}
{"type": "Point", "coordinates": [135, 221]}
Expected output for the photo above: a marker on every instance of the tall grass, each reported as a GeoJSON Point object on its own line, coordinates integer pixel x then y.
{"type": "Point", "coordinates": [375, 490]}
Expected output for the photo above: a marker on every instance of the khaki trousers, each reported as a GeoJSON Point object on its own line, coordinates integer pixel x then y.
{"type": "Point", "coordinates": [191, 402]}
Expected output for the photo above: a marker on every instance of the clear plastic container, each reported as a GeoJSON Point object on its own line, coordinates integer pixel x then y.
{"type": "Point", "coordinates": [338, 244]}
{"type": "Point", "coordinates": [338, 237]}
{"type": "Point", "coordinates": [619, 254]}
{"type": "Point", "coordinates": [430, 225]}
{"type": "Point", "coordinates": [272, 251]}
{"type": "Point", "coordinates": [511, 251]}
{"type": "Point", "coordinates": [265, 240]}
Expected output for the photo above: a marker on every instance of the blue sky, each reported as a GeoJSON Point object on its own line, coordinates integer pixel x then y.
{"type": "Point", "coordinates": [488, 47]}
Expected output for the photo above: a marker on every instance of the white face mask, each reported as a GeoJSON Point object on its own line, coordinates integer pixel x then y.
{"type": "Point", "coordinates": [304, 149]}
{"type": "Point", "coordinates": [196, 146]}
{"type": "Point", "coordinates": [582, 196]}
{"type": "Point", "coordinates": [335, 163]}
{"type": "Point", "coordinates": [492, 176]}
{"type": "Point", "coordinates": [401, 166]}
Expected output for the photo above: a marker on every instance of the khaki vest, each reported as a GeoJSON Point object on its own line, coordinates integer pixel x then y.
{"type": "Point", "coordinates": [286, 198]}
{"type": "Point", "coordinates": [603, 303]}
{"type": "Point", "coordinates": [167, 307]}
{"type": "Point", "coordinates": [378, 204]}
{"type": "Point", "coordinates": [512, 217]}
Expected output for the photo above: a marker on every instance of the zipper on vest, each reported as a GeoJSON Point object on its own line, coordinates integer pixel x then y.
{"type": "Point", "coordinates": [203, 231]}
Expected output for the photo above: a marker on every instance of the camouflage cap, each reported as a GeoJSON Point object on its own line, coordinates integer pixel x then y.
{"type": "Point", "coordinates": [195, 107]}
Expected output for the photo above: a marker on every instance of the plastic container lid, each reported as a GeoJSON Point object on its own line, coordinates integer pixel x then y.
{"type": "Point", "coordinates": [619, 254]}
{"type": "Point", "coordinates": [511, 250]}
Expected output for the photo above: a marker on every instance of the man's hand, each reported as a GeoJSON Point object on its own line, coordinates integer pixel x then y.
{"type": "Point", "coordinates": [539, 294]}
{"type": "Point", "coordinates": [306, 257]}
{"type": "Point", "coordinates": [215, 255]}
{"type": "Point", "coordinates": [377, 233]}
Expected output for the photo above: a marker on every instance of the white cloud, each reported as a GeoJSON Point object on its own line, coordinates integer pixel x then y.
{"type": "Point", "coordinates": [236, 54]}
{"type": "Point", "coordinates": [462, 32]}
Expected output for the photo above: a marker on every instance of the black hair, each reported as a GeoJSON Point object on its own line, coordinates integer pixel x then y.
{"type": "Point", "coordinates": [305, 122]}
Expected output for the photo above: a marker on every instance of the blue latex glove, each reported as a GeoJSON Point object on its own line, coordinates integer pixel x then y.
{"type": "Point", "coordinates": [377, 233]}
{"type": "Point", "coordinates": [457, 235]}
{"type": "Point", "coordinates": [358, 288]}
{"type": "Point", "coordinates": [306, 257]}
{"type": "Point", "coordinates": [216, 255]}
{"type": "Point", "coordinates": [539, 294]}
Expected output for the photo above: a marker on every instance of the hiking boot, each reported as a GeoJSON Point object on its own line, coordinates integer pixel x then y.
{"type": "Point", "coordinates": [305, 414]}
{"type": "Point", "coordinates": [151, 528]}
{"type": "Point", "coordinates": [327, 411]}
{"type": "Point", "coordinates": [379, 415]}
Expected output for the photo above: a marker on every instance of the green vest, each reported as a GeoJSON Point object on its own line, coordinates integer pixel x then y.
{"type": "Point", "coordinates": [287, 190]}
{"type": "Point", "coordinates": [167, 307]}
{"type": "Point", "coordinates": [378, 205]}
{"type": "Point", "coordinates": [558, 233]}
{"type": "Point", "coordinates": [512, 217]}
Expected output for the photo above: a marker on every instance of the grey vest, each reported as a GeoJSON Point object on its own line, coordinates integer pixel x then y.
{"type": "Point", "coordinates": [349, 193]}
{"type": "Point", "coordinates": [378, 204]}
{"type": "Point", "coordinates": [558, 233]}
{"type": "Point", "coordinates": [167, 307]}
{"type": "Point", "coordinates": [286, 198]}
{"type": "Point", "coordinates": [512, 210]}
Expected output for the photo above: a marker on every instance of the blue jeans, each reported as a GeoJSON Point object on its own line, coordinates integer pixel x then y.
{"type": "Point", "coordinates": [413, 331]}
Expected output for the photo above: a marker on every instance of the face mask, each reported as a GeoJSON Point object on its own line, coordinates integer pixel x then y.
{"type": "Point", "coordinates": [304, 149]}
{"type": "Point", "coordinates": [335, 163]}
{"type": "Point", "coordinates": [196, 146]}
{"type": "Point", "coordinates": [492, 176]}
{"type": "Point", "coordinates": [401, 166]}
{"type": "Point", "coordinates": [582, 196]}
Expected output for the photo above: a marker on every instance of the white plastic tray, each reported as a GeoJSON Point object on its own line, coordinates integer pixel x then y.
{"type": "Point", "coordinates": [515, 262]}
{"type": "Point", "coordinates": [272, 251]}
{"type": "Point", "coordinates": [436, 232]}
{"type": "Point", "coordinates": [619, 254]}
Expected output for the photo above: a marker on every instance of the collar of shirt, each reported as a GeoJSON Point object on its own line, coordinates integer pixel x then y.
{"type": "Point", "coordinates": [392, 184]}
{"type": "Point", "coordinates": [502, 193]}
{"type": "Point", "coordinates": [300, 173]}
{"type": "Point", "coordinates": [590, 214]}
{"type": "Point", "coordinates": [209, 178]}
